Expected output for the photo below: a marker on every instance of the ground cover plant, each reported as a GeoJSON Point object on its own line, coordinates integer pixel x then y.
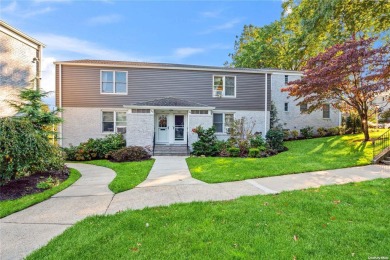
{"type": "Point", "coordinates": [331, 222]}
{"type": "Point", "coordinates": [128, 174]}
{"type": "Point", "coordinates": [10, 206]}
{"type": "Point", "coordinates": [302, 156]}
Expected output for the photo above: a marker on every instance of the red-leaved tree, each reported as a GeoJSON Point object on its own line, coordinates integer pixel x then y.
{"type": "Point", "coordinates": [349, 75]}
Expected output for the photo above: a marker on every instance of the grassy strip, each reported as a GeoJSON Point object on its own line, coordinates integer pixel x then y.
{"type": "Point", "coordinates": [331, 222]}
{"type": "Point", "coordinates": [303, 156]}
{"type": "Point", "coordinates": [8, 207]}
{"type": "Point", "coordinates": [128, 174]}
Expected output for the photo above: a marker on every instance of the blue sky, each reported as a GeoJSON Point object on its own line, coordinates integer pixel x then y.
{"type": "Point", "coordinates": [189, 32]}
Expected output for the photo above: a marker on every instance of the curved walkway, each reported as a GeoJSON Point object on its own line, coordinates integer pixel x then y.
{"type": "Point", "coordinates": [168, 182]}
{"type": "Point", "coordinates": [27, 230]}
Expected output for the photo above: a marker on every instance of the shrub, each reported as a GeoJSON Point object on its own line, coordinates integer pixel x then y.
{"type": "Point", "coordinates": [333, 131]}
{"type": "Point", "coordinates": [207, 143]}
{"type": "Point", "coordinates": [129, 154]}
{"type": "Point", "coordinates": [274, 139]}
{"type": "Point", "coordinates": [341, 130]}
{"type": "Point", "coordinates": [254, 152]}
{"type": "Point", "coordinates": [307, 132]}
{"type": "Point", "coordinates": [24, 151]}
{"type": "Point", "coordinates": [286, 134]}
{"type": "Point", "coordinates": [47, 184]}
{"type": "Point", "coordinates": [257, 141]}
{"type": "Point", "coordinates": [322, 131]}
{"type": "Point", "coordinates": [95, 149]}
{"type": "Point", "coordinates": [222, 147]}
{"type": "Point", "coordinates": [294, 134]}
{"type": "Point", "coordinates": [234, 151]}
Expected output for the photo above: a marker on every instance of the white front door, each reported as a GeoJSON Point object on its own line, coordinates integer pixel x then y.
{"type": "Point", "coordinates": [162, 128]}
{"type": "Point", "coordinates": [171, 128]}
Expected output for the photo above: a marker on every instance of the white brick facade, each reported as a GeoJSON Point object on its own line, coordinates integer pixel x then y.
{"type": "Point", "coordinates": [17, 69]}
{"type": "Point", "coordinates": [140, 129]}
{"type": "Point", "coordinates": [293, 119]}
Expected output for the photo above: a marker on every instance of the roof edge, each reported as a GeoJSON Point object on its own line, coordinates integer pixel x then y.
{"type": "Point", "coordinates": [22, 34]}
{"type": "Point", "coordinates": [169, 107]}
{"type": "Point", "coordinates": [177, 67]}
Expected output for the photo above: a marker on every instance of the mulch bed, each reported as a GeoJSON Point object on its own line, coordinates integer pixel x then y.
{"type": "Point", "coordinates": [15, 189]}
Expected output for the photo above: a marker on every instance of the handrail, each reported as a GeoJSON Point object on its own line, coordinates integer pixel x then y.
{"type": "Point", "coordinates": [381, 145]}
{"type": "Point", "coordinates": [187, 141]}
{"type": "Point", "coordinates": [154, 142]}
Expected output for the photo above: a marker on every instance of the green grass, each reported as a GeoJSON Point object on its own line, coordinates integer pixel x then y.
{"type": "Point", "coordinates": [8, 207]}
{"type": "Point", "coordinates": [128, 174]}
{"type": "Point", "coordinates": [332, 222]}
{"type": "Point", "coordinates": [303, 156]}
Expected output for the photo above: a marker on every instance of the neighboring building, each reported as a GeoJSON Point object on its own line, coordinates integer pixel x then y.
{"type": "Point", "coordinates": [290, 113]}
{"type": "Point", "coordinates": [20, 65]}
{"type": "Point", "coordinates": [161, 103]}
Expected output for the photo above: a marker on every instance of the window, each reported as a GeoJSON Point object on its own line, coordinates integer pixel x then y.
{"type": "Point", "coordinates": [325, 111]}
{"type": "Point", "coordinates": [140, 111]}
{"type": "Point", "coordinates": [285, 79]}
{"type": "Point", "coordinates": [303, 107]}
{"type": "Point", "coordinates": [114, 122]}
{"type": "Point", "coordinates": [113, 82]}
{"type": "Point", "coordinates": [286, 107]}
{"type": "Point", "coordinates": [199, 112]}
{"type": "Point", "coordinates": [223, 122]}
{"type": "Point", "coordinates": [224, 86]}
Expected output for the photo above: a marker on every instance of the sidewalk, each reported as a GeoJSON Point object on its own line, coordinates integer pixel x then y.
{"type": "Point", "coordinates": [168, 182]}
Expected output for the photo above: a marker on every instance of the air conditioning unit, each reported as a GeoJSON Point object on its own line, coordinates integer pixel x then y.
{"type": "Point", "coordinates": [121, 129]}
{"type": "Point", "coordinates": [218, 93]}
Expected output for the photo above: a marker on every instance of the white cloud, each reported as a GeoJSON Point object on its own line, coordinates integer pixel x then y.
{"type": "Point", "coordinates": [9, 8]}
{"type": "Point", "coordinates": [211, 14]}
{"type": "Point", "coordinates": [225, 26]}
{"type": "Point", "coordinates": [22, 12]}
{"type": "Point", "coordinates": [51, 1]}
{"type": "Point", "coordinates": [185, 52]}
{"type": "Point", "coordinates": [104, 19]}
{"type": "Point", "coordinates": [59, 44]}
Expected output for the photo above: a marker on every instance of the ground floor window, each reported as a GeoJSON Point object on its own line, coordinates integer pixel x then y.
{"type": "Point", "coordinates": [223, 122]}
{"type": "Point", "coordinates": [326, 111]}
{"type": "Point", "coordinates": [114, 121]}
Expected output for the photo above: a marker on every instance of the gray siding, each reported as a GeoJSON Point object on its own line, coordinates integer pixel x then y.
{"type": "Point", "coordinates": [81, 87]}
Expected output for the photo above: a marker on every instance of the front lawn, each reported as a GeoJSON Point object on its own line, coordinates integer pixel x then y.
{"type": "Point", "coordinates": [303, 156]}
{"type": "Point", "coordinates": [8, 207]}
{"type": "Point", "coordinates": [331, 222]}
{"type": "Point", "coordinates": [128, 174]}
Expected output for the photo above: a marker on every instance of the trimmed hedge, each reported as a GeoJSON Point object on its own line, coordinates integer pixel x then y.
{"type": "Point", "coordinates": [129, 154]}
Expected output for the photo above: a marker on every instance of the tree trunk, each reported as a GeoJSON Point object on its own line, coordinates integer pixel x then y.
{"type": "Point", "coordinates": [364, 120]}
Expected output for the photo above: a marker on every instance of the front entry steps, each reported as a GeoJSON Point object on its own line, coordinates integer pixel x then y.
{"type": "Point", "coordinates": [386, 160]}
{"type": "Point", "coordinates": [171, 150]}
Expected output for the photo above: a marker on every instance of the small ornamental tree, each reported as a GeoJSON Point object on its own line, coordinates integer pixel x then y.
{"type": "Point", "coordinates": [348, 75]}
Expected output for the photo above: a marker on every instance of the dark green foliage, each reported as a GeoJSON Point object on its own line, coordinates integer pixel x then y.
{"type": "Point", "coordinates": [207, 143]}
{"type": "Point", "coordinates": [257, 141]}
{"type": "Point", "coordinates": [307, 132]}
{"type": "Point", "coordinates": [95, 149]}
{"type": "Point", "coordinates": [222, 147]}
{"type": "Point", "coordinates": [254, 152]}
{"type": "Point", "coordinates": [234, 151]}
{"type": "Point", "coordinates": [274, 138]}
{"type": "Point", "coordinates": [34, 110]}
{"type": "Point", "coordinates": [385, 116]}
{"type": "Point", "coordinates": [24, 151]}
{"type": "Point", "coordinates": [129, 154]}
{"type": "Point", "coordinates": [353, 124]}
{"type": "Point", "coordinates": [273, 120]}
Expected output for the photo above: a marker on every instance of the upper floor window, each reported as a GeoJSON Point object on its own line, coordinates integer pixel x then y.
{"type": "Point", "coordinates": [326, 111]}
{"type": "Point", "coordinates": [224, 86]}
{"type": "Point", "coordinates": [114, 121]}
{"type": "Point", "coordinates": [199, 112]}
{"type": "Point", "coordinates": [223, 122]}
{"type": "Point", "coordinates": [113, 82]}
{"type": "Point", "coordinates": [285, 79]}
{"type": "Point", "coordinates": [286, 107]}
{"type": "Point", "coordinates": [303, 107]}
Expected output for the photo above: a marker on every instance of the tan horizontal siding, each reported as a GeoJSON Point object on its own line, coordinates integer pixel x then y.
{"type": "Point", "coordinates": [81, 88]}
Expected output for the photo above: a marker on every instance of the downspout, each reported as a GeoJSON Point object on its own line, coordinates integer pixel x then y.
{"type": "Point", "coordinates": [60, 99]}
{"type": "Point", "coordinates": [265, 105]}
{"type": "Point", "coordinates": [39, 67]}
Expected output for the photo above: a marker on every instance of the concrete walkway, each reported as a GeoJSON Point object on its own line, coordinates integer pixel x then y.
{"type": "Point", "coordinates": [168, 182]}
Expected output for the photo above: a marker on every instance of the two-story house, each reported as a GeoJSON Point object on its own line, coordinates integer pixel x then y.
{"type": "Point", "coordinates": [20, 65]}
{"type": "Point", "coordinates": [157, 103]}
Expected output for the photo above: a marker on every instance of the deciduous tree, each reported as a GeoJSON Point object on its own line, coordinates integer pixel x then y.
{"type": "Point", "coordinates": [352, 74]}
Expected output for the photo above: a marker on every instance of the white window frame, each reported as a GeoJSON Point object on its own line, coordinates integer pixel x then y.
{"type": "Point", "coordinates": [114, 81]}
{"type": "Point", "coordinates": [324, 111]}
{"type": "Point", "coordinates": [223, 121]}
{"type": "Point", "coordinates": [199, 114]}
{"type": "Point", "coordinates": [115, 126]}
{"type": "Point", "coordinates": [224, 88]}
